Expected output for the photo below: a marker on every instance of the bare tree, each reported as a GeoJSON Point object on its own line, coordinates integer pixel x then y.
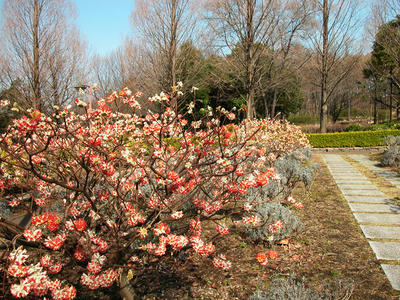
{"type": "Point", "coordinates": [293, 24]}
{"type": "Point", "coordinates": [43, 49]}
{"type": "Point", "coordinates": [257, 36]}
{"type": "Point", "coordinates": [243, 28]}
{"type": "Point", "coordinates": [336, 25]}
{"type": "Point", "coordinates": [164, 26]}
{"type": "Point", "coordinates": [127, 66]}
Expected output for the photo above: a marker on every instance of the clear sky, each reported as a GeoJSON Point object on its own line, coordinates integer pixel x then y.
{"type": "Point", "coordinates": [103, 23]}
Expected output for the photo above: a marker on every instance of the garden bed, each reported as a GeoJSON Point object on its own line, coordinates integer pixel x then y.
{"type": "Point", "coordinates": [332, 247]}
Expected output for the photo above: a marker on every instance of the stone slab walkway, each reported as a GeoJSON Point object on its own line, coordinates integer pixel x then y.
{"type": "Point", "coordinates": [374, 166]}
{"type": "Point", "coordinates": [378, 217]}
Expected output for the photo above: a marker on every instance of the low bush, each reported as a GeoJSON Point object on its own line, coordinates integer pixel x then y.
{"type": "Point", "coordinates": [354, 127]}
{"type": "Point", "coordinates": [303, 119]}
{"type": "Point", "coordinates": [383, 126]}
{"type": "Point", "coordinates": [391, 157]}
{"type": "Point", "coordinates": [354, 113]}
{"type": "Point", "coordinates": [292, 289]}
{"type": "Point", "coordinates": [350, 139]}
{"type": "Point", "coordinates": [278, 221]}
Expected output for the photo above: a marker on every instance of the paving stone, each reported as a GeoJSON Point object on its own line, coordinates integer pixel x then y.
{"type": "Point", "coordinates": [393, 219]}
{"type": "Point", "coordinates": [356, 187]}
{"type": "Point", "coordinates": [347, 175]}
{"type": "Point", "coordinates": [381, 200]}
{"type": "Point", "coordinates": [345, 178]}
{"type": "Point", "coordinates": [381, 232]}
{"type": "Point", "coordinates": [361, 207]}
{"type": "Point", "coordinates": [350, 186]}
{"type": "Point", "coordinates": [393, 274]}
{"type": "Point", "coordinates": [354, 181]}
{"type": "Point", "coordinates": [386, 250]}
{"type": "Point", "coordinates": [388, 175]}
{"type": "Point", "coordinates": [363, 192]}
{"type": "Point", "coordinates": [345, 172]}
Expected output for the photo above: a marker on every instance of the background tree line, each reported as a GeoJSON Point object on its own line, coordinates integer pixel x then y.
{"type": "Point", "coordinates": [272, 58]}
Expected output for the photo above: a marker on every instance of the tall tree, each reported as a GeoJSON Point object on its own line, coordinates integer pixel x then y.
{"type": "Point", "coordinates": [164, 25]}
{"type": "Point", "coordinates": [259, 34]}
{"type": "Point", "coordinates": [243, 28]}
{"type": "Point", "coordinates": [384, 64]}
{"type": "Point", "coordinates": [42, 49]}
{"type": "Point", "coordinates": [284, 61]}
{"type": "Point", "coordinates": [333, 39]}
{"type": "Point", "coordinates": [123, 67]}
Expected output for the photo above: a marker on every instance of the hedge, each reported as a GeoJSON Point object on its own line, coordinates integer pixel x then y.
{"type": "Point", "coordinates": [350, 139]}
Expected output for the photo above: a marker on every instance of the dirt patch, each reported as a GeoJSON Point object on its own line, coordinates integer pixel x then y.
{"type": "Point", "coordinates": [336, 243]}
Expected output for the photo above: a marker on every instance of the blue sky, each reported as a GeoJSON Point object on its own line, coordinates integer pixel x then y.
{"type": "Point", "coordinates": [103, 23]}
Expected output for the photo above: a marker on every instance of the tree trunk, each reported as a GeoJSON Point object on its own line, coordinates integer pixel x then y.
{"type": "Point", "coordinates": [274, 101]}
{"type": "Point", "coordinates": [266, 111]}
{"type": "Point", "coordinates": [249, 60]}
{"type": "Point", "coordinates": [172, 53]}
{"type": "Point", "coordinates": [324, 69]}
{"type": "Point", "coordinates": [126, 292]}
{"type": "Point", "coordinates": [36, 58]}
{"type": "Point", "coordinates": [349, 108]}
{"type": "Point", "coordinates": [323, 123]}
{"type": "Point", "coordinates": [250, 104]}
{"type": "Point", "coordinates": [391, 99]}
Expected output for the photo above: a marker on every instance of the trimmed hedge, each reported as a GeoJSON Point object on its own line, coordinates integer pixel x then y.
{"type": "Point", "coordinates": [350, 139]}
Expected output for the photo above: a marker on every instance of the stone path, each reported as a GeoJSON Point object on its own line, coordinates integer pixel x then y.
{"type": "Point", "coordinates": [388, 175]}
{"type": "Point", "coordinates": [378, 217]}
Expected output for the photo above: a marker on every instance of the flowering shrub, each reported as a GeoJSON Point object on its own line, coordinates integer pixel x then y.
{"type": "Point", "coordinates": [111, 193]}
{"type": "Point", "coordinates": [278, 136]}
{"type": "Point", "coordinates": [276, 218]}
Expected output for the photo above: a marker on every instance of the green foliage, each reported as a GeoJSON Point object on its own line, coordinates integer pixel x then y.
{"type": "Point", "coordinates": [383, 126]}
{"type": "Point", "coordinates": [382, 59]}
{"type": "Point", "coordinates": [12, 94]}
{"type": "Point", "coordinates": [303, 119]}
{"type": "Point", "coordinates": [290, 101]}
{"type": "Point", "coordinates": [354, 127]}
{"type": "Point", "coordinates": [289, 97]}
{"type": "Point", "coordinates": [373, 127]}
{"type": "Point", "coordinates": [350, 139]}
{"type": "Point", "coordinates": [354, 113]}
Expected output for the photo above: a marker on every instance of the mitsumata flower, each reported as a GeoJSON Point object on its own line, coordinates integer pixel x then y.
{"type": "Point", "coordinates": [262, 258]}
{"type": "Point", "coordinates": [110, 191]}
